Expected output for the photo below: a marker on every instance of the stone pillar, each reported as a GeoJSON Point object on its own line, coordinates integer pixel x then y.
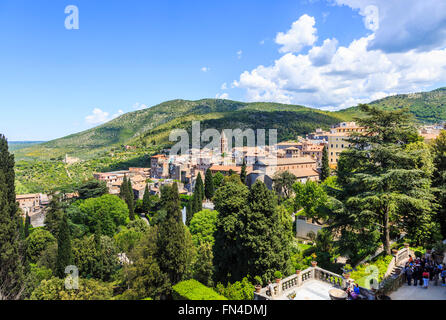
{"type": "Point", "coordinates": [299, 278]}
{"type": "Point", "coordinates": [279, 288]}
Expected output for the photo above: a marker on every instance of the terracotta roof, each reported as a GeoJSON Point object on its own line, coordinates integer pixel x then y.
{"type": "Point", "coordinates": [26, 196]}
{"type": "Point", "coordinates": [158, 156]}
{"type": "Point", "coordinates": [236, 169]}
{"type": "Point", "coordinates": [286, 161]}
{"type": "Point", "coordinates": [304, 172]}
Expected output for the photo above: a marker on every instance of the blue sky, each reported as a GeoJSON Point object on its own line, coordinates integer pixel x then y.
{"type": "Point", "coordinates": [131, 54]}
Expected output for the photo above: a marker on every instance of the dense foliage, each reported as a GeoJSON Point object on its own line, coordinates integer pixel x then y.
{"type": "Point", "coordinates": [194, 290]}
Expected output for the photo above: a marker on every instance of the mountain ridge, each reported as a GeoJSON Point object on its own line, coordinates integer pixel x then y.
{"type": "Point", "coordinates": [151, 125]}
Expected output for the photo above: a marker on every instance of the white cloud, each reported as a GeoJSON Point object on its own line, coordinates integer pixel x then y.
{"type": "Point", "coordinates": [205, 69]}
{"type": "Point", "coordinates": [301, 34]}
{"type": "Point", "coordinates": [333, 77]}
{"type": "Point", "coordinates": [98, 116]}
{"type": "Point", "coordinates": [224, 86]}
{"type": "Point", "coordinates": [323, 55]}
{"type": "Point", "coordinates": [222, 96]}
{"type": "Point", "coordinates": [401, 26]}
{"type": "Point", "coordinates": [239, 54]}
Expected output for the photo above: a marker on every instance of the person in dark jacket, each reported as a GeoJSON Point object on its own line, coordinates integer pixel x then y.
{"type": "Point", "coordinates": [417, 275]}
{"type": "Point", "coordinates": [409, 274]}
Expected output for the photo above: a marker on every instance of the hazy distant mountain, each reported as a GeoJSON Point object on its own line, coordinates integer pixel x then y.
{"type": "Point", "coordinates": [16, 145]}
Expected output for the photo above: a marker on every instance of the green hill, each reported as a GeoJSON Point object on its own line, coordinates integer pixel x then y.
{"type": "Point", "coordinates": [427, 107]}
{"type": "Point", "coordinates": [152, 126]}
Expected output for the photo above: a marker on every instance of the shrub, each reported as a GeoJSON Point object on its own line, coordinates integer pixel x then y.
{"type": "Point", "coordinates": [194, 290]}
{"type": "Point", "coordinates": [361, 275]}
{"type": "Point", "coordinates": [239, 290]}
{"type": "Point", "coordinates": [37, 242]}
{"type": "Point", "coordinates": [278, 275]}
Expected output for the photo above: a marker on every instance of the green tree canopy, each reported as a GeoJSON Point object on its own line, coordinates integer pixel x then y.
{"type": "Point", "coordinates": [99, 262]}
{"type": "Point", "coordinates": [92, 189]}
{"type": "Point", "coordinates": [64, 253]}
{"type": "Point", "coordinates": [171, 252]}
{"type": "Point", "coordinates": [108, 209]}
{"type": "Point", "coordinates": [203, 226]}
{"type": "Point", "coordinates": [283, 183]}
{"type": "Point", "coordinates": [310, 197]}
{"type": "Point", "coordinates": [265, 240]}
{"type": "Point", "coordinates": [383, 182]}
{"type": "Point", "coordinates": [230, 201]}
{"type": "Point", "coordinates": [37, 242]}
{"type": "Point", "coordinates": [89, 289]}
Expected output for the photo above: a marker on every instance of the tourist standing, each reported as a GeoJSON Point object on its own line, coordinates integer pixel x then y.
{"type": "Point", "coordinates": [409, 274]}
{"type": "Point", "coordinates": [443, 276]}
{"type": "Point", "coordinates": [426, 276]}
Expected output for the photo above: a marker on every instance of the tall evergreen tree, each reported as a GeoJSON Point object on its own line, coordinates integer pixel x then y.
{"type": "Point", "coordinates": [126, 194]}
{"type": "Point", "coordinates": [384, 180]}
{"type": "Point", "coordinates": [124, 187]}
{"type": "Point", "coordinates": [439, 179]}
{"type": "Point", "coordinates": [64, 254]}
{"type": "Point", "coordinates": [27, 225]}
{"type": "Point", "coordinates": [130, 200]}
{"type": "Point", "coordinates": [171, 251]}
{"type": "Point", "coordinates": [265, 241]}
{"type": "Point", "coordinates": [325, 169]}
{"type": "Point", "coordinates": [229, 261]}
{"type": "Point", "coordinates": [199, 188]}
{"type": "Point", "coordinates": [209, 189]}
{"type": "Point", "coordinates": [190, 210]}
{"type": "Point", "coordinates": [243, 174]}
{"type": "Point", "coordinates": [53, 215]}
{"type": "Point", "coordinates": [146, 205]}
{"type": "Point", "coordinates": [11, 266]}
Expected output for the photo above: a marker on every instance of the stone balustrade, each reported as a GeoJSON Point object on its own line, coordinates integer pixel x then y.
{"type": "Point", "coordinates": [297, 280]}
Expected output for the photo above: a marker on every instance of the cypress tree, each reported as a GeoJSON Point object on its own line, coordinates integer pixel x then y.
{"type": "Point", "coordinates": [325, 169]}
{"type": "Point", "coordinates": [130, 200]}
{"type": "Point", "coordinates": [265, 242]}
{"type": "Point", "coordinates": [196, 204]}
{"type": "Point", "coordinates": [11, 267]}
{"type": "Point", "coordinates": [126, 194]}
{"type": "Point", "coordinates": [124, 187]}
{"type": "Point", "coordinates": [209, 189]}
{"type": "Point", "coordinates": [53, 216]}
{"type": "Point", "coordinates": [171, 252]}
{"type": "Point", "coordinates": [243, 172]}
{"type": "Point", "coordinates": [230, 202]}
{"type": "Point", "coordinates": [64, 256]}
{"type": "Point", "coordinates": [27, 225]}
{"type": "Point", "coordinates": [199, 188]}
{"type": "Point", "coordinates": [146, 205]}
{"type": "Point", "coordinates": [189, 210]}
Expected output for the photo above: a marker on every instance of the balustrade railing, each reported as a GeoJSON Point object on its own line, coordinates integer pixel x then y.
{"type": "Point", "coordinates": [297, 280]}
{"type": "Point", "coordinates": [315, 273]}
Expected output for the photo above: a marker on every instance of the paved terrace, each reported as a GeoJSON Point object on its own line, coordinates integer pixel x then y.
{"type": "Point", "coordinates": [419, 293]}
{"type": "Point", "coordinates": [433, 292]}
